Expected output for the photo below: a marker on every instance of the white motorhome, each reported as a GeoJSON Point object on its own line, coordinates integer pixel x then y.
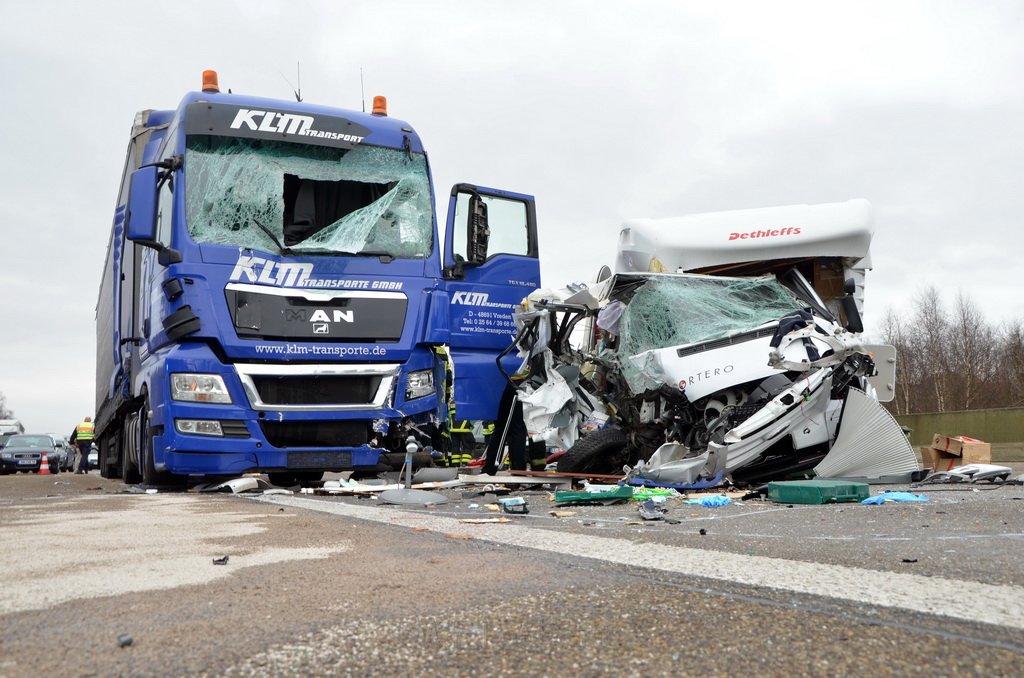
{"type": "Point", "coordinates": [729, 344]}
{"type": "Point", "coordinates": [8, 428]}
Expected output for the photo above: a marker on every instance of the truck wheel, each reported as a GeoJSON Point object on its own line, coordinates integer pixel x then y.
{"type": "Point", "coordinates": [295, 478]}
{"type": "Point", "coordinates": [150, 476]}
{"type": "Point", "coordinates": [603, 451]}
{"type": "Point", "coordinates": [129, 469]}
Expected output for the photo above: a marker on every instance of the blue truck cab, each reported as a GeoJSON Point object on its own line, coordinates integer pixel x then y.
{"type": "Point", "coordinates": [275, 296]}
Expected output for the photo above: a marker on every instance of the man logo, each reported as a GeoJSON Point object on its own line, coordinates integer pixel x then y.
{"type": "Point", "coordinates": [292, 314]}
{"type": "Point", "coordinates": [321, 328]}
{"type": "Point", "coordinates": [339, 316]}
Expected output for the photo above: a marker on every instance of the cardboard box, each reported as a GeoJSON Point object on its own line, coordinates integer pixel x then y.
{"type": "Point", "coordinates": [955, 445]}
{"type": "Point", "coordinates": [938, 460]}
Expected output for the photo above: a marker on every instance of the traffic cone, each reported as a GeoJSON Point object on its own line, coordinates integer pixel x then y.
{"type": "Point", "coordinates": [44, 466]}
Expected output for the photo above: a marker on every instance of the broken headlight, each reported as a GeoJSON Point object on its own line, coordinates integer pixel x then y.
{"type": "Point", "coordinates": [419, 383]}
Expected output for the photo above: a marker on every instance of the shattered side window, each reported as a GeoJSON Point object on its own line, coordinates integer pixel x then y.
{"type": "Point", "coordinates": [678, 310]}
{"type": "Point", "coordinates": [280, 197]}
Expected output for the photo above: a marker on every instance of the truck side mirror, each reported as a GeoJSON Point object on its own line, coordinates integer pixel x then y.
{"type": "Point", "coordinates": [479, 230]}
{"type": "Point", "coordinates": [848, 303]}
{"type": "Point", "coordinates": [141, 218]}
{"type": "Point", "coordinates": [142, 205]}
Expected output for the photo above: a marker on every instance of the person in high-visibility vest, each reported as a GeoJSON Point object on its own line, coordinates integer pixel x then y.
{"type": "Point", "coordinates": [463, 441]}
{"type": "Point", "coordinates": [444, 444]}
{"type": "Point", "coordinates": [83, 436]}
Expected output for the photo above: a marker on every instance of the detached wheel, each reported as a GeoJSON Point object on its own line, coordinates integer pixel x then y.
{"type": "Point", "coordinates": [604, 451]}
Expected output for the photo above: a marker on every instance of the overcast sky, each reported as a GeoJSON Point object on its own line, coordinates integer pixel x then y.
{"type": "Point", "coordinates": [603, 111]}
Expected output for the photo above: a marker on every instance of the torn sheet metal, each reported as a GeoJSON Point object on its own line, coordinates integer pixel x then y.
{"type": "Point", "coordinates": [870, 443]}
{"type": "Point", "coordinates": [672, 464]}
{"type": "Point", "coordinates": [803, 402]}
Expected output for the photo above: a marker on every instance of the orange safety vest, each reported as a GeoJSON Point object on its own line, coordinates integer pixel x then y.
{"type": "Point", "coordinates": [85, 431]}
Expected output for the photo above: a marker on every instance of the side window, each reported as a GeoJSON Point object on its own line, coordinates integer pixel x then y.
{"type": "Point", "coordinates": [508, 222]}
{"type": "Point", "coordinates": [164, 211]}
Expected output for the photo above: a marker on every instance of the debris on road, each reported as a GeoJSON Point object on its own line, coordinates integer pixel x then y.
{"type": "Point", "coordinates": [484, 521]}
{"type": "Point", "coordinates": [712, 501]}
{"type": "Point", "coordinates": [620, 494]}
{"type": "Point", "coordinates": [895, 497]}
{"type": "Point", "coordinates": [236, 485]}
{"type": "Point", "coordinates": [971, 473]}
{"type": "Point", "coordinates": [223, 560]}
{"type": "Point", "coordinates": [513, 505]}
{"type": "Point", "coordinates": [816, 491]}
{"type": "Point", "coordinates": [651, 510]}
{"type": "Point", "coordinates": [124, 640]}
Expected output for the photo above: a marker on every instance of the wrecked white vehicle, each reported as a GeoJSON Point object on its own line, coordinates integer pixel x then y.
{"type": "Point", "coordinates": [747, 363]}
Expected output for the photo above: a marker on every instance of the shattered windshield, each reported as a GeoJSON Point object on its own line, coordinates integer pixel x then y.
{"type": "Point", "coordinates": [284, 197]}
{"type": "Point", "coordinates": [678, 310]}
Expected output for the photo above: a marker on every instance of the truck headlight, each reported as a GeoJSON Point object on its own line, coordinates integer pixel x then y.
{"type": "Point", "coordinates": [199, 388]}
{"type": "Point", "coordinates": [419, 384]}
{"type": "Point", "coordinates": [199, 427]}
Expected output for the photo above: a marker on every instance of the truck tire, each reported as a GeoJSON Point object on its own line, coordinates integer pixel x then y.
{"type": "Point", "coordinates": [603, 451]}
{"type": "Point", "coordinates": [150, 476]}
{"type": "Point", "coordinates": [129, 469]}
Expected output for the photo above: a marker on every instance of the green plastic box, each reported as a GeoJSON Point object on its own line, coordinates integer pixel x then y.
{"type": "Point", "coordinates": [816, 491]}
{"type": "Point", "coordinates": [619, 494]}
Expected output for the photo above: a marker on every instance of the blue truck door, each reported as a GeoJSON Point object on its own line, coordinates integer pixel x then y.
{"type": "Point", "coordinates": [491, 264]}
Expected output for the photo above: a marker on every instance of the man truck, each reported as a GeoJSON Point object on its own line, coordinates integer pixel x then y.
{"type": "Point", "coordinates": [275, 297]}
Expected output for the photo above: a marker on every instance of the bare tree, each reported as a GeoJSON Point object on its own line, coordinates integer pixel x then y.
{"type": "Point", "coordinates": [896, 333]}
{"type": "Point", "coordinates": [932, 340]}
{"type": "Point", "coordinates": [953, 361]}
{"type": "Point", "coordinates": [972, 356]}
{"type": "Point", "coordinates": [1011, 364]}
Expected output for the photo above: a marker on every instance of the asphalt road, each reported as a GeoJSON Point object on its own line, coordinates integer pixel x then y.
{"type": "Point", "coordinates": [348, 586]}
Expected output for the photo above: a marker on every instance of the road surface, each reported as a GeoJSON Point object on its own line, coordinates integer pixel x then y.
{"type": "Point", "coordinates": [347, 586]}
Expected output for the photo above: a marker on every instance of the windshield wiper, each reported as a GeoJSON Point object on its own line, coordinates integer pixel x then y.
{"type": "Point", "coordinates": [385, 257]}
{"type": "Point", "coordinates": [270, 234]}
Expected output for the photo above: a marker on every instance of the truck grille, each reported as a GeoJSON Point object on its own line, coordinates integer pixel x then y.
{"type": "Point", "coordinates": [284, 434]}
{"type": "Point", "coordinates": [317, 389]}
{"type": "Point", "coordinates": [234, 428]}
{"type": "Point", "coordinates": [310, 387]}
{"type": "Point", "coordinates": [320, 460]}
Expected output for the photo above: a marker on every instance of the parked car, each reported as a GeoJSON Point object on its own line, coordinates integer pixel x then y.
{"type": "Point", "coordinates": [94, 456]}
{"type": "Point", "coordinates": [24, 452]}
{"type": "Point", "coordinates": [65, 455]}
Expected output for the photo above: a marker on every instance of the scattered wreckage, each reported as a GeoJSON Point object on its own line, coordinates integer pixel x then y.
{"type": "Point", "coordinates": [725, 346]}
